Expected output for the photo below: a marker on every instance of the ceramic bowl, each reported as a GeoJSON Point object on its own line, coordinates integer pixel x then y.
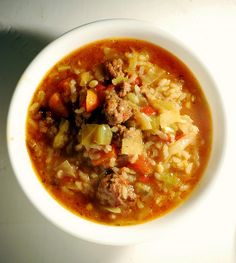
{"type": "Point", "coordinates": [42, 200]}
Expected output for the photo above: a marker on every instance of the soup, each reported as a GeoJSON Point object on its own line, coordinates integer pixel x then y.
{"type": "Point", "coordinates": [119, 131]}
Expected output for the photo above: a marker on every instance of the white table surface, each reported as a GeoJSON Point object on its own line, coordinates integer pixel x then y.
{"type": "Point", "coordinates": [209, 29]}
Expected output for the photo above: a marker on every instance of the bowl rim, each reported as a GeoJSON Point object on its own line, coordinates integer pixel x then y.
{"type": "Point", "coordinates": [109, 235]}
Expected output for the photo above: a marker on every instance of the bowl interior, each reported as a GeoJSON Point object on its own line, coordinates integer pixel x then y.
{"type": "Point", "coordinates": [17, 119]}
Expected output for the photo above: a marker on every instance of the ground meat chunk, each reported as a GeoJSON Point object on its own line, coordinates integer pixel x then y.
{"type": "Point", "coordinates": [114, 68]}
{"type": "Point", "coordinates": [124, 89]}
{"type": "Point", "coordinates": [113, 191]}
{"type": "Point", "coordinates": [117, 110]}
{"type": "Point", "coordinates": [47, 125]}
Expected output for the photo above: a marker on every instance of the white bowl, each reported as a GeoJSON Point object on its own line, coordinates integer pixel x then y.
{"type": "Point", "coordinates": [20, 160]}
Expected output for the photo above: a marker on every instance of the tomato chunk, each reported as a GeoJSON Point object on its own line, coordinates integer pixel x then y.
{"type": "Point", "coordinates": [144, 179]}
{"type": "Point", "coordinates": [100, 87]}
{"type": "Point", "coordinates": [138, 81]}
{"type": "Point", "coordinates": [149, 110]}
{"type": "Point", "coordinates": [142, 166]}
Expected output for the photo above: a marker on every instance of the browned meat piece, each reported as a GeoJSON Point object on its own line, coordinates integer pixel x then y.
{"type": "Point", "coordinates": [117, 110]}
{"type": "Point", "coordinates": [47, 124]}
{"type": "Point", "coordinates": [114, 68]}
{"type": "Point", "coordinates": [113, 191]}
{"type": "Point", "coordinates": [124, 89]}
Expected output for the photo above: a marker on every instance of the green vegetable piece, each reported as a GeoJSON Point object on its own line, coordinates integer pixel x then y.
{"type": "Point", "coordinates": [103, 135]}
{"type": "Point", "coordinates": [118, 80]}
{"type": "Point", "coordinates": [96, 134]}
{"type": "Point", "coordinates": [170, 179]}
{"type": "Point", "coordinates": [133, 98]}
{"type": "Point", "coordinates": [85, 77]}
{"type": "Point", "coordinates": [87, 134]}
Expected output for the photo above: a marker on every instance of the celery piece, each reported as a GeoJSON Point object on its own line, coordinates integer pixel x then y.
{"type": "Point", "coordinates": [103, 135]}
{"type": "Point", "coordinates": [118, 80]}
{"type": "Point", "coordinates": [133, 98]}
{"type": "Point", "coordinates": [96, 134]}
{"type": "Point", "coordinates": [169, 179]}
{"type": "Point", "coordinates": [85, 78]}
{"type": "Point", "coordinates": [142, 188]}
{"type": "Point", "coordinates": [87, 134]}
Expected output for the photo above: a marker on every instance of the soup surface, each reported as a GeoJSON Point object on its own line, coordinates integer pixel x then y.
{"type": "Point", "coordinates": [119, 131]}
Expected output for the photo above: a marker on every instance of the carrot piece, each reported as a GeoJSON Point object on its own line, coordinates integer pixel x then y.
{"type": "Point", "coordinates": [149, 110]}
{"type": "Point", "coordinates": [142, 166]}
{"type": "Point", "coordinates": [105, 157]}
{"type": "Point", "coordinates": [168, 139]}
{"type": "Point", "coordinates": [56, 105]}
{"type": "Point", "coordinates": [178, 136]}
{"type": "Point", "coordinates": [92, 101]}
